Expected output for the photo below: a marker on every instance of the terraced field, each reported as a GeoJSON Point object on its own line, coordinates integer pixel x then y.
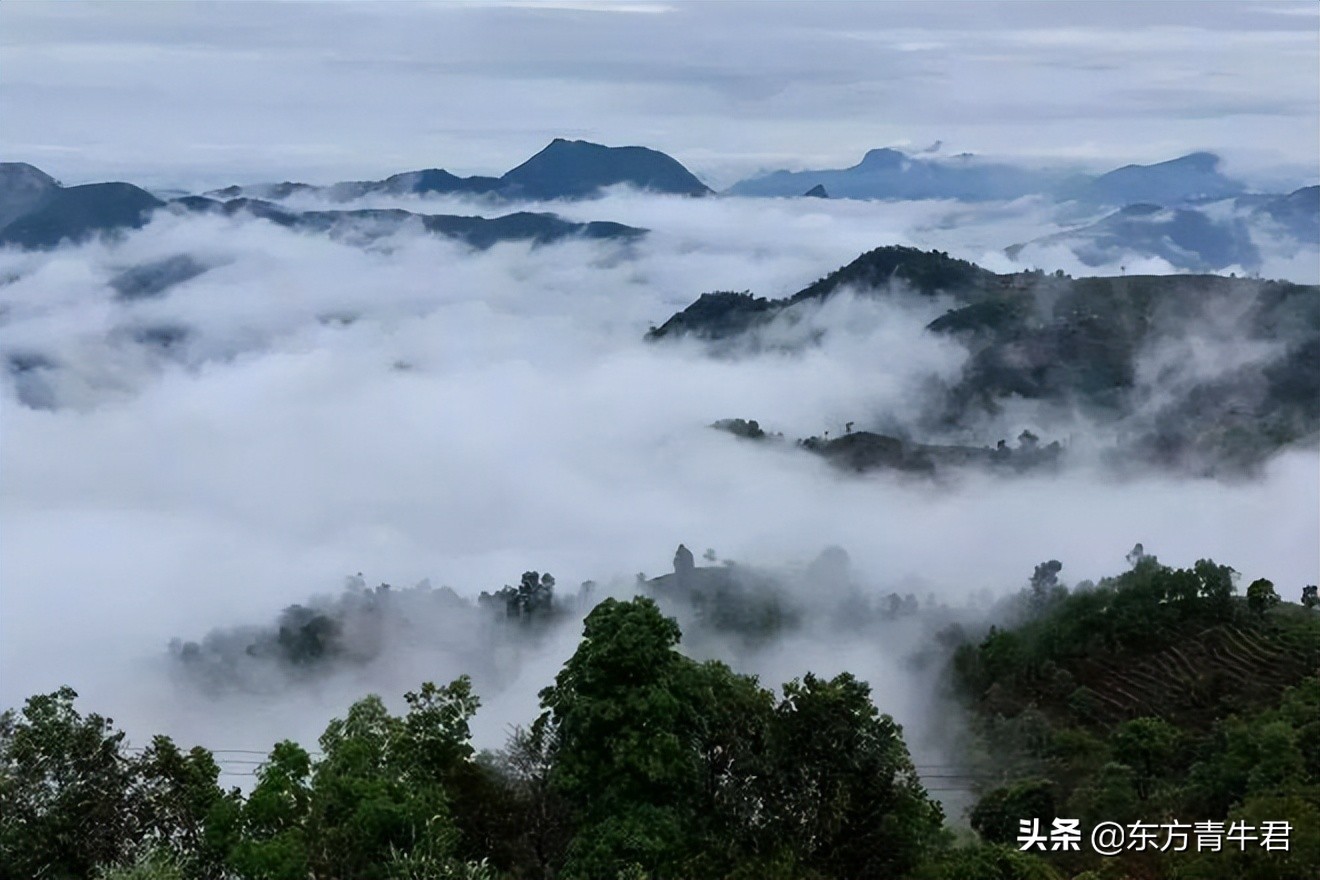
{"type": "Point", "coordinates": [1239, 666]}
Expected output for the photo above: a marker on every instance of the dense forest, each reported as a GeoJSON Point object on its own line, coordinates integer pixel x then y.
{"type": "Point", "coordinates": [1160, 695]}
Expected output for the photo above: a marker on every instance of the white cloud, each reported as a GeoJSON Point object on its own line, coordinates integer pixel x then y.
{"type": "Point", "coordinates": [482, 414]}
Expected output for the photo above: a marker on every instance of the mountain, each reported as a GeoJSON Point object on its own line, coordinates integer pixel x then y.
{"type": "Point", "coordinates": [420, 183]}
{"type": "Point", "coordinates": [1185, 238]}
{"type": "Point", "coordinates": [479, 232]}
{"type": "Point", "coordinates": [40, 213]}
{"type": "Point", "coordinates": [563, 170]}
{"type": "Point", "coordinates": [816, 192]}
{"type": "Point", "coordinates": [724, 314]}
{"type": "Point", "coordinates": [1206, 236]}
{"type": "Point", "coordinates": [1296, 214]}
{"type": "Point", "coordinates": [1074, 345]}
{"type": "Point", "coordinates": [891, 174]}
{"type": "Point", "coordinates": [23, 188]}
{"type": "Point", "coordinates": [77, 213]}
{"type": "Point", "coordinates": [576, 169]}
{"type": "Point", "coordinates": [1187, 178]}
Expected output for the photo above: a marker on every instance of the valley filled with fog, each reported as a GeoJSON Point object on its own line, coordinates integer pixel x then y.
{"type": "Point", "coordinates": [303, 408]}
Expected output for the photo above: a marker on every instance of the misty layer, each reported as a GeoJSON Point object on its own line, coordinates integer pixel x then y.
{"type": "Point", "coordinates": [226, 415]}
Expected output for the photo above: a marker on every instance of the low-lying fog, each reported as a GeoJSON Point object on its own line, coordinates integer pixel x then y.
{"type": "Point", "coordinates": [307, 409]}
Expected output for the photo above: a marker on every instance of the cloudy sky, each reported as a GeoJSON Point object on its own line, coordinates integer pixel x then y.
{"type": "Point", "coordinates": [199, 94]}
{"type": "Point", "coordinates": [417, 410]}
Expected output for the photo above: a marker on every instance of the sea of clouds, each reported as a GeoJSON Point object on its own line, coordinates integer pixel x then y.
{"type": "Point", "coordinates": [309, 408]}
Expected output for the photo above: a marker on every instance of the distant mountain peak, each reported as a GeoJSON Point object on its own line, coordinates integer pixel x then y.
{"type": "Point", "coordinates": [1203, 159]}
{"type": "Point", "coordinates": [23, 188]}
{"type": "Point", "coordinates": [1193, 176]}
{"type": "Point", "coordinates": [77, 213]}
{"type": "Point", "coordinates": [883, 157]}
{"type": "Point", "coordinates": [567, 169]}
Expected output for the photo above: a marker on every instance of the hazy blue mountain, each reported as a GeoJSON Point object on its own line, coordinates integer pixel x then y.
{"type": "Point", "coordinates": [1207, 236]}
{"type": "Point", "coordinates": [576, 169]}
{"type": "Point", "coordinates": [891, 174]}
{"type": "Point", "coordinates": [1192, 177]}
{"type": "Point", "coordinates": [78, 212]}
{"type": "Point", "coordinates": [23, 188]}
{"type": "Point", "coordinates": [1185, 238]}
{"type": "Point", "coordinates": [816, 192]}
{"type": "Point", "coordinates": [563, 170]}
{"type": "Point", "coordinates": [1297, 213]}
{"type": "Point", "coordinates": [480, 232]}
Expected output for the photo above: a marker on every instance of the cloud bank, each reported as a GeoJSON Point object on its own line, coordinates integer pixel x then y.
{"type": "Point", "coordinates": [305, 409]}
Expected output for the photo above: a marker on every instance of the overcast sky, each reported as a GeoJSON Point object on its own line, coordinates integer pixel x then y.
{"type": "Point", "coordinates": [200, 94]}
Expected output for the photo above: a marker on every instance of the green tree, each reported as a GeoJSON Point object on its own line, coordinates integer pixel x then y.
{"type": "Point", "coordinates": [996, 816]}
{"type": "Point", "coordinates": [66, 791]}
{"type": "Point", "coordinates": [379, 798]}
{"type": "Point", "coordinates": [1150, 746]}
{"type": "Point", "coordinates": [622, 761]}
{"type": "Point", "coordinates": [842, 788]}
{"type": "Point", "coordinates": [269, 831]}
{"type": "Point", "coordinates": [1261, 596]}
{"type": "Point", "coordinates": [178, 791]}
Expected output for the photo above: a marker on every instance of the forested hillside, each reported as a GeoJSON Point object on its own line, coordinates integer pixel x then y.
{"type": "Point", "coordinates": [1158, 695]}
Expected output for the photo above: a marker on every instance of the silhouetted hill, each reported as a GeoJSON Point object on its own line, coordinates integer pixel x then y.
{"type": "Point", "coordinates": [76, 213]}
{"type": "Point", "coordinates": [816, 192]}
{"type": "Point", "coordinates": [573, 169]}
{"type": "Point", "coordinates": [23, 188]}
{"type": "Point", "coordinates": [723, 315]}
{"type": "Point", "coordinates": [562, 170]}
{"type": "Point", "coordinates": [428, 181]}
{"type": "Point", "coordinates": [480, 232]}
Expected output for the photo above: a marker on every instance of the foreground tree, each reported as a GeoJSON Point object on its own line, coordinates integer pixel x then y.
{"type": "Point", "coordinates": [676, 768]}
{"type": "Point", "coordinates": [66, 791]}
{"type": "Point", "coordinates": [844, 792]}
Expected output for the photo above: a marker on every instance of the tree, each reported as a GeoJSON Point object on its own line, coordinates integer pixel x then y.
{"type": "Point", "coordinates": [270, 839]}
{"type": "Point", "coordinates": [380, 798]}
{"type": "Point", "coordinates": [842, 789]}
{"type": "Point", "coordinates": [178, 792]}
{"type": "Point", "coordinates": [622, 762]}
{"type": "Point", "coordinates": [66, 791]}
{"type": "Point", "coordinates": [1044, 581]}
{"type": "Point", "coordinates": [996, 816]}
{"type": "Point", "coordinates": [537, 822]}
{"type": "Point", "coordinates": [1216, 587]}
{"type": "Point", "coordinates": [532, 599]}
{"type": "Point", "coordinates": [1311, 596]}
{"type": "Point", "coordinates": [1149, 746]}
{"type": "Point", "coordinates": [1261, 596]}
